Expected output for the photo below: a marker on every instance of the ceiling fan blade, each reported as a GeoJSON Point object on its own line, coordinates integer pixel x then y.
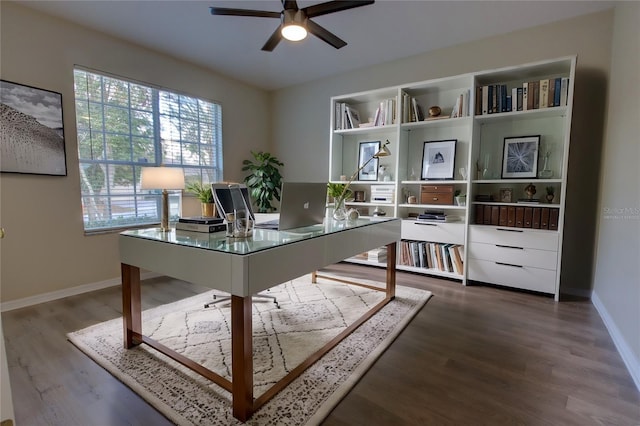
{"type": "Point", "coordinates": [244, 12]}
{"type": "Point", "coordinates": [325, 35]}
{"type": "Point", "coordinates": [273, 40]}
{"type": "Point", "coordinates": [333, 6]}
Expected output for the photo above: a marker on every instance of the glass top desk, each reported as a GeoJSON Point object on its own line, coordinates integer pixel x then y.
{"type": "Point", "coordinates": [243, 267]}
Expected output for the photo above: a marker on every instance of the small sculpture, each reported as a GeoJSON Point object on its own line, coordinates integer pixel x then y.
{"type": "Point", "coordinates": [434, 111]}
{"type": "Point", "coordinates": [530, 190]}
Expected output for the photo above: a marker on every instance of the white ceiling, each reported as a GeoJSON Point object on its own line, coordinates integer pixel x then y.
{"type": "Point", "coordinates": [384, 31]}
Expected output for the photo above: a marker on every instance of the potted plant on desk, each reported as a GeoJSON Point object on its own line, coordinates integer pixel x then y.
{"type": "Point", "coordinates": [205, 195]}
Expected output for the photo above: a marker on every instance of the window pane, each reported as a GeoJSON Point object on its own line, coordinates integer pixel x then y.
{"type": "Point", "coordinates": [116, 119]}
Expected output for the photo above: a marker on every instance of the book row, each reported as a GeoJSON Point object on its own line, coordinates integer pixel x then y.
{"type": "Point", "coordinates": [518, 217]}
{"type": "Point", "coordinates": [347, 117]}
{"type": "Point", "coordinates": [536, 94]}
{"type": "Point", "coordinates": [412, 111]}
{"type": "Point", "coordinates": [424, 254]}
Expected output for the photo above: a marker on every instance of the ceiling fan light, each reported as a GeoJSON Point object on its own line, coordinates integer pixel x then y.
{"type": "Point", "coordinates": [294, 32]}
{"type": "Point", "coordinates": [293, 25]}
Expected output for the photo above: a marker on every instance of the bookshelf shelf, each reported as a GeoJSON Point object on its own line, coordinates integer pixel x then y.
{"type": "Point", "coordinates": [479, 137]}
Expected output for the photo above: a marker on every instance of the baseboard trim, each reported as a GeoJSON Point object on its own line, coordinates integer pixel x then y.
{"type": "Point", "coordinates": [629, 358]}
{"type": "Point", "coordinates": [60, 294]}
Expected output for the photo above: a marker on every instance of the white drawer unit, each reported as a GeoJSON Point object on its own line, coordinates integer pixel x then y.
{"type": "Point", "coordinates": [433, 231]}
{"type": "Point", "coordinates": [525, 259]}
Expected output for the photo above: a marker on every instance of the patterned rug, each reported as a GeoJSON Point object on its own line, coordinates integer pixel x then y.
{"type": "Point", "coordinates": [310, 316]}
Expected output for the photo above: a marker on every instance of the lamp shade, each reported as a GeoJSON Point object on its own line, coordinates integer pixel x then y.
{"type": "Point", "coordinates": [161, 178]}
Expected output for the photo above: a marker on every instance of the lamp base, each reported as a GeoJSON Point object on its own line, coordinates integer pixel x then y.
{"type": "Point", "coordinates": [164, 224]}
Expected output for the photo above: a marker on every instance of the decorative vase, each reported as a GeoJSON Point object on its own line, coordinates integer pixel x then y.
{"type": "Point", "coordinates": [549, 198]}
{"type": "Point", "coordinates": [208, 209]}
{"type": "Point", "coordinates": [339, 211]}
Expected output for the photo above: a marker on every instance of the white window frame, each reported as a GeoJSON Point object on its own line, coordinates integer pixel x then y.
{"type": "Point", "coordinates": [172, 129]}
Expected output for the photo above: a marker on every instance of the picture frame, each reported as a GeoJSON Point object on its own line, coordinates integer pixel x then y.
{"type": "Point", "coordinates": [520, 157]}
{"type": "Point", "coordinates": [438, 159]}
{"type": "Point", "coordinates": [32, 137]}
{"type": "Point", "coordinates": [367, 165]}
{"type": "Point", "coordinates": [506, 195]}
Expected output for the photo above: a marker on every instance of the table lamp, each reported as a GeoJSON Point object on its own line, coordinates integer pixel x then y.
{"type": "Point", "coordinates": [164, 178]}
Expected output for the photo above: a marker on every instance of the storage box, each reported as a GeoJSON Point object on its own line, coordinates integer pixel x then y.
{"type": "Point", "coordinates": [436, 194]}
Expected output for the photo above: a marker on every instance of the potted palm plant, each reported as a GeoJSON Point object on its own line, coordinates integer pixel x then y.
{"type": "Point", "coordinates": [264, 180]}
{"type": "Point", "coordinates": [205, 195]}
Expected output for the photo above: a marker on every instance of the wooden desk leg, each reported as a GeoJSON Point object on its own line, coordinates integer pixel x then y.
{"type": "Point", "coordinates": [391, 270]}
{"type": "Point", "coordinates": [131, 310]}
{"type": "Point", "coordinates": [241, 357]}
{"type": "Point", "coordinates": [314, 277]}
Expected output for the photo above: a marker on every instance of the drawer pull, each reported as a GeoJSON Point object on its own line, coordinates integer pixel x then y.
{"type": "Point", "coordinates": [509, 264]}
{"type": "Point", "coordinates": [510, 247]}
{"type": "Point", "coordinates": [509, 230]}
{"type": "Point", "coordinates": [425, 224]}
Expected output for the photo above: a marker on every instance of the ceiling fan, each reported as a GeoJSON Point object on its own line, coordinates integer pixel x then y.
{"type": "Point", "coordinates": [295, 22]}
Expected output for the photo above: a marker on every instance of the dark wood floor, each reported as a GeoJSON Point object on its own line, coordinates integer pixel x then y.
{"type": "Point", "coordinates": [474, 355]}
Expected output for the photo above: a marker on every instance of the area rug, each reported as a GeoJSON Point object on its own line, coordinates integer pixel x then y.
{"type": "Point", "coordinates": [309, 316]}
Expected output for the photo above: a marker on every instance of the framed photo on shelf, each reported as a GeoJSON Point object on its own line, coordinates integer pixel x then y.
{"type": "Point", "coordinates": [438, 159]}
{"type": "Point", "coordinates": [32, 139]}
{"type": "Point", "coordinates": [506, 195]}
{"type": "Point", "coordinates": [520, 157]}
{"type": "Point", "coordinates": [367, 165]}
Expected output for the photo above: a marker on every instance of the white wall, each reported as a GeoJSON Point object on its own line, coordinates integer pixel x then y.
{"type": "Point", "coordinates": [301, 114]}
{"type": "Point", "coordinates": [45, 249]}
{"type": "Point", "coordinates": [617, 274]}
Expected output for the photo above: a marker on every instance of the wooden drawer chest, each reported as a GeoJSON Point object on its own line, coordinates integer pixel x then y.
{"type": "Point", "coordinates": [436, 194]}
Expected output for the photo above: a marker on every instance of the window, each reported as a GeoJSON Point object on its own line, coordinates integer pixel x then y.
{"type": "Point", "coordinates": [123, 126]}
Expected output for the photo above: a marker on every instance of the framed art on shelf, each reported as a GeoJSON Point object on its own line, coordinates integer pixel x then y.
{"type": "Point", "coordinates": [520, 157]}
{"type": "Point", "coordinates": [32, 137]}
{"type": "Point", "coordinates": [367, 164]}
{"type": "Point", "coordinates": [438, 159]}
{"type": "Point", "coordinates": [506, 195]}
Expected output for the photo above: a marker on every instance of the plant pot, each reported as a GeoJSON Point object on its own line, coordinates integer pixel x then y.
{"type": "Point", "coordinates": [208, 209]}
{"type": "Point", "coordinates": [461, 200]}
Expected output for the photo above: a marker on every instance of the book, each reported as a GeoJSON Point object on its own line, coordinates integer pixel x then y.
{"type": "Point", "coordinates": [564, 91]}
{"type": "Point", "coordinates": [558, 90]}
{"type": "Point", "coordinates": [197, 227]}
{"type": "Point", "coordinates": [202, 220]}
{"type": "Point", "coordinates": [525, 96]}
{"type": "Point", "coordinates": [417, 110]}
{"type": "Point", "coordinates": [554, 216]}
{"type": "Point", "coordinates": [529, 200]}
{"type": "Point", "coordinates": [544, 93]}
{"type": "Point", "coordinates": [353, 117]}
{"type": "Point", "coordinates": [485, 100]}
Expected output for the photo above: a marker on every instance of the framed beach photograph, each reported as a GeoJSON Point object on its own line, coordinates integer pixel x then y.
{"type": "Point", "coordinates": [438, 159]}
{"type": "Point", "coordinates": [520, 157]}
{"type": "Point", "coordinates": [367, 151]}
{"type": "Point", "coordinates": [32, 137]}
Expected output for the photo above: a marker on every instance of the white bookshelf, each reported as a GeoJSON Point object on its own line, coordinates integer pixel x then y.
{"type": "Point", "coordinates": [479, 143]}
